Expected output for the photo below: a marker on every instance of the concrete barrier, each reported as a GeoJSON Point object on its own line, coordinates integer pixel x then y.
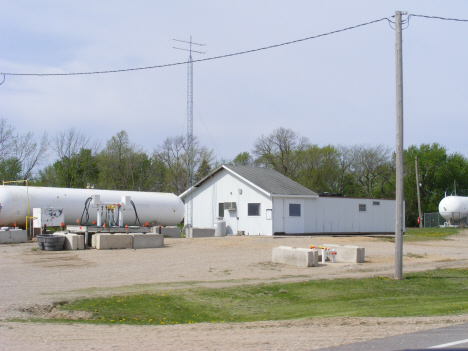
{"type": "Point", "coordinates": [295, 256]}
{"type": "Point", "coordinates": [13, 236]}
{"type": "Point", "coordinates": [145, 241]}
{"type": "Point", "coordinates": [72, 241]}
{"type": "Point", "coordinates": [347, 253]}
{"type": "Point", "coordinates": [172, 232]}
{"type": "Point", "coordinates": [112, 241]}
{"type": "Point", "coordinates": [199, 232]}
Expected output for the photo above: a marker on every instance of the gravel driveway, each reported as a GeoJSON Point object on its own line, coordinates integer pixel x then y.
{"type": "Point", "coordinates": [32, 280]}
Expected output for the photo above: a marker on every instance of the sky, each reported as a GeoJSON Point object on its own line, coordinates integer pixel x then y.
{"type": "Point", "coordinates": [337, 89]}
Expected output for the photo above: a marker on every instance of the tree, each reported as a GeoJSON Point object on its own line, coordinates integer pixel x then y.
{"type": "Point", "coordinates": [280, 151]}
{"type": "Point", "coordinates": [123, 165]}
{"type": "Point", "coordinates": [77, 162]}
{"type": "Point", "coordinates": [318, 168]}
{"type": "Point", "coordinates": [21, 150]}
{"type": "Point", "coordinates": [46, 177]}
{"type": "Point", "coordinates": [203, 170]}
{"type": "Point", "coordinates": [174, 154]}
{"type": "Point", "coordinates": [437, 172]}
{"type": "Point", "coordinates": [10, 169]}
{"type": "Point", "coordinates": [373, 169]}
{"type": "Point", "coordinates": [243, 159]}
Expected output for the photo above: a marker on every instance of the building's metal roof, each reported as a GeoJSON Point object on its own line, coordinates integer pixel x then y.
{"type": "Point", "coordinates": [269, 180]}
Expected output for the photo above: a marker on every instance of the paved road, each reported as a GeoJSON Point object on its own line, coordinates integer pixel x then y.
{"type": "Point", "coordinates": [448, 338]}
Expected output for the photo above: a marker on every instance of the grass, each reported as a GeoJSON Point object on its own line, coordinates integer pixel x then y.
{"type": "Point", "coordinates": [422, 234]}
{"type": "Point", "coordinates": [439, 292]}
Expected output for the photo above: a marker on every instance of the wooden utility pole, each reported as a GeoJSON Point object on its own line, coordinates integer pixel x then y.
{"type": "Point", "coordinates": [399, 229]}
{"type": "Point", "coordinates": [417, 187]}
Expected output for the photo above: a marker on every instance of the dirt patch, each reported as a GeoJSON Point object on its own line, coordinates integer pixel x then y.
{"type": "Point", "coordinates": [50, 310]}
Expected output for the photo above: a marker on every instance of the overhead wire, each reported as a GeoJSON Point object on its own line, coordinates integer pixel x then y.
{"type": "Point", "coordinates": [441, 18]}
{"type": "Point", "coordinates": [216, 146]}
{"type": "Point", "coordinates": [198, 60]}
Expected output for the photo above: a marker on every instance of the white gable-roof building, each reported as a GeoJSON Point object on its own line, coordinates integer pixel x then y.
{"type": "Point", "coordinates": [262, 201]}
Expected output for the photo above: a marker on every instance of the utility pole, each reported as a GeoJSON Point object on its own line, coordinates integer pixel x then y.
{"type": "Point", "coordinates": [399, 229]}
{"type": "Point", "coordinates": [190, 155]}
{"type": "Point", "coordinates": [417, 187]}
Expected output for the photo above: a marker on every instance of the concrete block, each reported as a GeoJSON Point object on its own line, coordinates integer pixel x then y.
{"type": "Point", "coordinates": [295, 256]}
{"type": "Point", "coordinates": [145, 241]}
{"type": "Point", "coordinates": [74, 242]}
{"type": "Point", "coordinates": [348, 253]}
{"type": "Point", "coordinates": [113, 241]}
{"type": "Point", "coordinates": [13, 236]}
{"type": "Point", "coordinates": [199, 232]}
{"type": "Point", "coordinates": [172, 232]}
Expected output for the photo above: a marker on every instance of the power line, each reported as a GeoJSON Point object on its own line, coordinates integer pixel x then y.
{"type": "Point", "coordinates": [441, 18]}
{"type": "Point", "coordinates": [199, 60]}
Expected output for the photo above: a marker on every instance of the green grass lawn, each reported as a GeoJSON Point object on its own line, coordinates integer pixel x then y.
{"type": "Point", "coordinates": [439, 292]}
{"type": "Point", "coordinates": [421, 234]}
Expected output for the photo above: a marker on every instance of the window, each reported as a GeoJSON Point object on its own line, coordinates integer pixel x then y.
{"type": "Point", "coordinates": [376, 203]}
{"type": "Point", "coordinates": [253, 209]}
{"type": "Point", "coordinates": [362, 207]}
{"type": "Point", "coordinates": [294, 210]}
{"type": "Point", "coordinates": [221, 210]}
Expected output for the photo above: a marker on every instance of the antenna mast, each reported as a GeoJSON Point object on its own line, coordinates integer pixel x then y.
{"type": "Point", "coordinates": [190, 151]}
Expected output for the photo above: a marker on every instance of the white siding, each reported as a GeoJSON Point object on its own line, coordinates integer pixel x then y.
{"type": "Point", "coordinates": [318, 215]}
{"type": "Point", "coordinates": [342, 215]}
{"type": "Point", "coordinates": [224, 187]}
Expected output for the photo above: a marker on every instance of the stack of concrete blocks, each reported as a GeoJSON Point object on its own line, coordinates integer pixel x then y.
{"type": "Point", "coordinates": [107, 241]}
{"type": "Point", "coordinates": [13, 236]}
{"type": "Point", "coordinates": [295, 256]}
{"type": "Point", "coordinates": [199, 232]}
{"type": "Point", "coordinates": [347, 253]}
{"type": "Point", "coordinates": [171, 232]}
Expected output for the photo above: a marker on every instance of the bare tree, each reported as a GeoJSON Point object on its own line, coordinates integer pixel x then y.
{"type": "Point", "coordinates": [29, 152]}
{"type": "Point", "coordinates": [174, 154]}
{"type": "Point", "coordinates": [6, 139]}
{"type": "Point", "coordinates": [70, 143]}
{"type": "Point", "coordinates": [280, 150]}
{"type": "Point", "coordinates": [372, 167]}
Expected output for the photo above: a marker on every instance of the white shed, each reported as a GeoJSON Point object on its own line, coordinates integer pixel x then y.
{"type": "Point", "coordinates": [261, 201]}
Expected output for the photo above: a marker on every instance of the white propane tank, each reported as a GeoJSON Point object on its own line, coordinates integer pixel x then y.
{"type": "Point", "coordinates": [454, 207]}
{"type": "Point", "coordinates": [155, 208]}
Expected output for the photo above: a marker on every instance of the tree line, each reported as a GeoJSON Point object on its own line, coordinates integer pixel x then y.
{"type": "Point", "coordinates": [353, 171]}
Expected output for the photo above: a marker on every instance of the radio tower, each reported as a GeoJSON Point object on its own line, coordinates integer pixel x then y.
{"type": "Point", "coordinates": [190, 155]}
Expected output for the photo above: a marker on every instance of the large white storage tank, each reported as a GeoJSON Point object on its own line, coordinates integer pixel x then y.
{"type": "Point", "coordinates": [155, 208]}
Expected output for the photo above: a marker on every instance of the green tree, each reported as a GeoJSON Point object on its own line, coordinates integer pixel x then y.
{"type": "Point", "coordinates": [243, 159]}
{"type": "Point", "coordinates": [124, 166]}
{"type": "Point", "coordinates": [437, 172]}
{"type": "Point", "coordinates": [77, 171]}
{"type": "Point", "coordinates": [10, 169]}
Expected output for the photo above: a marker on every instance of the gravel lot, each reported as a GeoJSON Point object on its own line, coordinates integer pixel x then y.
{"type": "Point", "coordinates": [31, 280]}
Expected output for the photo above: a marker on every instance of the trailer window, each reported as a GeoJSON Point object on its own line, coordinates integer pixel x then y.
{"type": "Point", "coordinates": [362, 207]}
{"type": "Point", "coordinates": [253, 209]}
{"type": "Point", "coordinates": [221, 210]}
{"type": "Point", "coordinates": [294, 210]}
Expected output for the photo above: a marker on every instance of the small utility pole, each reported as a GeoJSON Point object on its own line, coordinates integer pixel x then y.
{"type": "Point", "coordinates": [399, 229]}
{"type": "Point", "coordinates": [417, 187]}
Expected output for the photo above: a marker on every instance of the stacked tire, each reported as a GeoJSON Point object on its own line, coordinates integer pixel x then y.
{"type": "Point", "coordinates": [51, 242]}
